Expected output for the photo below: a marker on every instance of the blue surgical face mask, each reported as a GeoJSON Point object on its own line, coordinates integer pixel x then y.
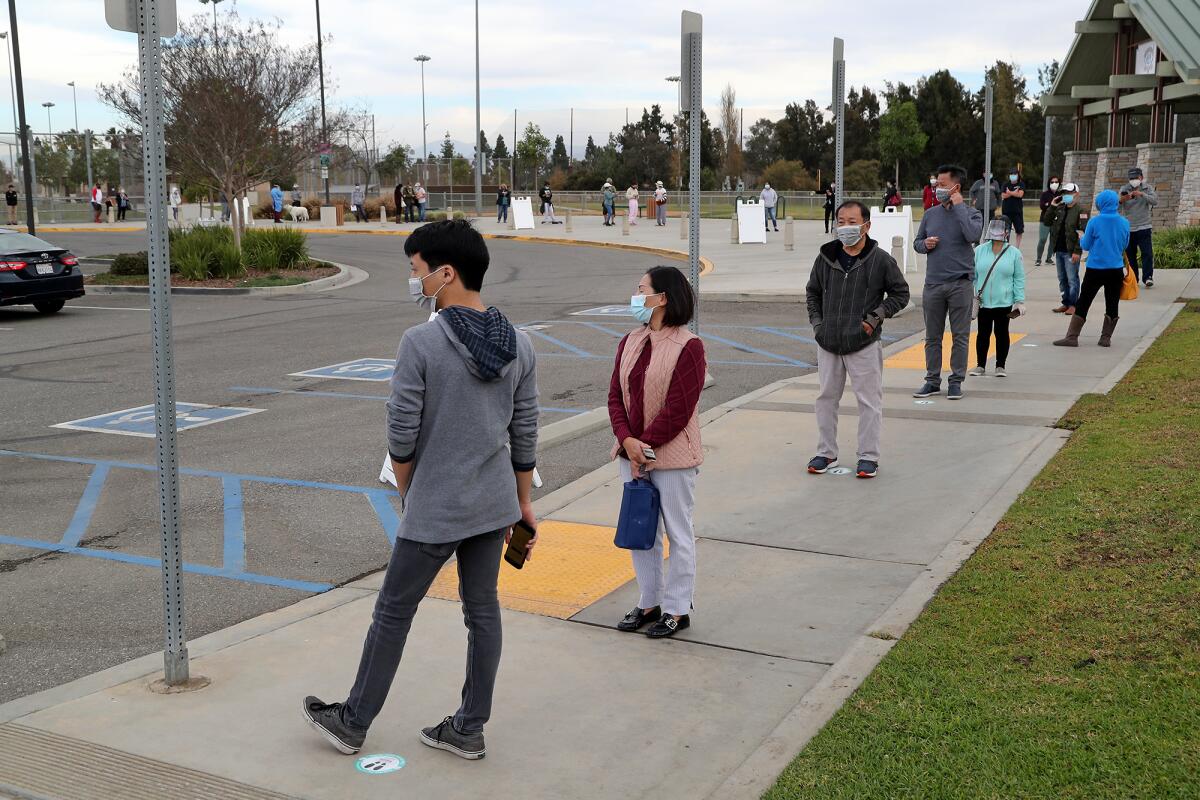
{"type": "Point", "coordinates": [1068, 199]}
{"type": "Point", "coordinates": [637, 307]}
{"type": "Point", "coordinates": [1013, 177]}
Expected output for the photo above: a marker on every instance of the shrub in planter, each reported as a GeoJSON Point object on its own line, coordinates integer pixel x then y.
{"type": "Point", "coordinates": [260, 250]}
{"type": "Point", "coordinates": [292, 245]}
{"type": "Point", "coordinates": [130, 264]}
{"type": "Point", "coordinates": [227, 262]}
{"type": "Point", "coordinates": [437, 216]}
{"type": "Point", "coordinates": [191, 255]}
{"type": "Point", "coordinates": [1177, 248]}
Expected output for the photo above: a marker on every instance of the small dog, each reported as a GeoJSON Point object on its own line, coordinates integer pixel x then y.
{"type": "Point", "coordinates": [297, 213]}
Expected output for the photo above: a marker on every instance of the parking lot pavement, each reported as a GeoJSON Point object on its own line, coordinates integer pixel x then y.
{"type": "Point", "coordinates": [281, 439]}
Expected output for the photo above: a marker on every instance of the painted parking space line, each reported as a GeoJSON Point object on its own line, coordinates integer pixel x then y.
{"type": "Point", "coordinates": [603, 311]}
{"type": "Point", "coordinates": [360, 369]}
{"type": "Point", "coordinates": [109, 308]}
{"type": "Point", "coordinates": [757, 351]}
{"type": "Point", "coordinates": [580, 352]}
{"type": "Point", "coordinates": [233, 547]}
{"type": "Point", "coordinates": [375, 397]}
{"type": "Point", "coordinates": [140, 421]}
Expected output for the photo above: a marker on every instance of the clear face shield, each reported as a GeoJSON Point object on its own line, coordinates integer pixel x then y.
{"type": "Point", "coordinates": [997, 230]}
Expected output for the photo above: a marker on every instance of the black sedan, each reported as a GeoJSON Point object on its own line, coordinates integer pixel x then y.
{"type": "Point", "coordinates": [37, 273]}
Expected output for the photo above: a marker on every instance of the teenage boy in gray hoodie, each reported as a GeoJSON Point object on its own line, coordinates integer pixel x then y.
{"type": "Point", "coordinates": [947, 236]}
{"type": "Point", "coordinates": [462, 432]}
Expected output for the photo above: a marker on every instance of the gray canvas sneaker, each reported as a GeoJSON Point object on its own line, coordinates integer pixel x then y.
{"type": "Point", "coordinates": [443, 736]}
{"type": "Point", "coordinates": [327, 718]}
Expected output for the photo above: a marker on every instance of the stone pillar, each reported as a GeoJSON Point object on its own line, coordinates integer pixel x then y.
{"type": "Point", "coordinates": [1189, 193]}
{"type": "Point", "coordinates": [1112, 168]}
{"type": "Point", "coordinates": [1079, 167]}
{"type": "Point", "coordinates": [1163, 165]}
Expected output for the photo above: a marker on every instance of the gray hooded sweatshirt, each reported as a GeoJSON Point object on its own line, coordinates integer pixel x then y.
{"type": "Point", "coordinates": [464, 392]}
{"type": "Point", "coordinates": [1137, 209]}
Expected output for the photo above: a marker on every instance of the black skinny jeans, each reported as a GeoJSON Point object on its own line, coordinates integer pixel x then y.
{"type": "Point", "coordinates": [1093, 281]}
{"type": "Point", "coordinates": [992, 319]}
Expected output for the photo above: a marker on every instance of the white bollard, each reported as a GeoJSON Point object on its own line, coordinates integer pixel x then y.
{"type": "Point", "coordinates": [683, 226]}
{"type": "Point", "coordinates": [512, 219]}
{"type": "Point", "coordinates": [789, 236]}
{"type": "Point", "coordinates": [733, 229]}
{"type": "Point", "coordinates": [328, 217]}
{"type": "Point", "coordinates": [382, 215]}
{"type": "Point", "coordinates": [625, 224]}
{"type": "Point", "coordinates": [112, 215]}
{"type": "Point", "coordinates": [568, 227]}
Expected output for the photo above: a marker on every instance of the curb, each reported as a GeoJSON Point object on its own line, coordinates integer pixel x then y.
{"type": "Point", "coordinates": [346, 276]}
{"type": "Point", "coordinates": [573, 427]}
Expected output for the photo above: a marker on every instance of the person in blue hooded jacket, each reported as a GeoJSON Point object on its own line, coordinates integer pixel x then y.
{"type": "Point", "coordinates": [1105, 240]}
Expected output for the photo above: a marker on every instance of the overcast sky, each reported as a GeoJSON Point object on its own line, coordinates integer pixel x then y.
{"type": "Point", "coordinates": [544, 56]}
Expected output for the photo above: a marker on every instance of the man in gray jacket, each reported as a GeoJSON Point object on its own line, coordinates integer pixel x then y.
{"type": "Point", "coordinates": [1137, 198]}
{"type": "Point", "coordinates": [462, 433]}
{"type": "Point", "coordinates": [947, 236]}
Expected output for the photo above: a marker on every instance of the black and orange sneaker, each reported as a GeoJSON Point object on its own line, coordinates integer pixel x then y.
{"type": "Point", "coordinates": [867, 469]}
{"type": "Point", "coordinates": [820, 464]}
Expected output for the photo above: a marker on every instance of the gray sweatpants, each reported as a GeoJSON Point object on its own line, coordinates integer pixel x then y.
{"type": "Point", "coordinates": [940, 300]}
{"type": "Point", "coordinates": [677, 493]}
{"type": "Point", "coordinates": [865, 369]}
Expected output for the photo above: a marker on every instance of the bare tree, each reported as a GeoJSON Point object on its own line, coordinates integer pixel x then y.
{"type": "Point", "coordinates": [238, 108]}
{"type": "Point", "coordinates": [729, 127]}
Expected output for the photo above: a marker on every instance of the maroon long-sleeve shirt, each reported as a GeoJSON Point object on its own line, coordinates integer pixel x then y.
{"type": "Point", "coordinates": [682, 397]}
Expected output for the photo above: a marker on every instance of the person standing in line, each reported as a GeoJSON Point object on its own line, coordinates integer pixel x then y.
{"type": "Point", "coordinates": [853, 287]}
{"type": "Point", "coordinates": [98, 202]}
{"type": "Point", "coordinates": [547, 196]}
{"type": "Point", "coordinates": [660, 203]}
{"type": "Point", "coordinates": [1137, 198]}
{"type": "Point", "coordinates": [503, 201]}
{"type": "Point", "coordinates": [769, 197]}
{"type": "Point", "coordinates": [891, 196]}
{"type": "Point", "coordinates": [609, 202]}
{"type": "Point", "coordinates": [653, 405]}
{"type": "Point", "coordinates": [422, 198]}
{"type": "Point", "coordinates": [947, 236]}
{"type": "Point", "coordinates": [297, 197]}
{"type": "Point", "coordinates": [11, 198]}
{"type": "Point", "coordinates": [1064, 218]}
{"type": "Point", "coordinates": [829, 198]}
{"type": "Point", "coordinates": [993, 200]}
{"type": "Point", "coordinates": [1000, 285]}
{"type": "Point", "coordinates": [176, 202]}
{"type": "Point", "coordinates": [928, 196]}
{"type": "Point", "coordinates": [1012, 205]}
{"type": "Point", "coordinates": [224, 199]}
{"type": "Point", "coordinates": [277, 203]}
{"type": "Point", "coordinates": [358, 199]}
{"type": "Point", "coordinates": [122, 203]}
{"type": "Point", "coordinates": [631, 197]}
{"type": "Point", "coordinates": [462, 434]}
{"type": "Point", "coordinates": [1105, 240]}
{"type": "Point", "coordinates": [1043, 229]}
{"type": "Point", "coordinates": [410, 203]}
{"type": "Point", "coordinates": [398, 202]}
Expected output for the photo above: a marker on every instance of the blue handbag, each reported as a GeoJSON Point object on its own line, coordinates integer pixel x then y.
{"type": "Point", "coordinates": [637, 527]}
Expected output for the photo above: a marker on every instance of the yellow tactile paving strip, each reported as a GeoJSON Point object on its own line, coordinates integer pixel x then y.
{"type": "Point", "coordinates": [914, 357]}
{"type": "Point", "coordinates": [573, 566]}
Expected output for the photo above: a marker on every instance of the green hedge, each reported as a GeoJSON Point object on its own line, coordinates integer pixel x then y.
{"type": "Point", "coordinates": [200, 253]}
{"type": "Point", "coordinates": [1177, 248]}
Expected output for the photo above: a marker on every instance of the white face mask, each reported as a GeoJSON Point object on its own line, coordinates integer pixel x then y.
{"type": "Point", "coordinates": [1012, 178]}
{"type": "Point", "coordinates": [933, 181]}
{"type": "Point", "coordinates": [1136, 182]}
{"type": "Point", "coordinates": [1054, 186]}
{"type": "Point", "coordinates": [416, 290]}
{"type": "Point", "coordinates": [849, 235]}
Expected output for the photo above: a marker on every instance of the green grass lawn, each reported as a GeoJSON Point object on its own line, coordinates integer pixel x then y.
{"type": "Point", "coordinates": [1063, 660]}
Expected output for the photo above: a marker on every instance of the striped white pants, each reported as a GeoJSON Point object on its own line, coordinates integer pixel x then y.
{"type": "Point", "coordinates": [677, 492]}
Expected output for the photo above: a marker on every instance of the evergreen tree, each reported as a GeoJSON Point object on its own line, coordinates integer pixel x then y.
{"type": "Point", "coordinates": [559, 157]}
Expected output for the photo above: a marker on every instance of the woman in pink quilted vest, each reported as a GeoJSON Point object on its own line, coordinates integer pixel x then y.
{"type": "Point", "coordinates": [653, 403]}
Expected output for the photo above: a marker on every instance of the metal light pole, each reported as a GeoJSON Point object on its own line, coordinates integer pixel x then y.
{"type": "Point", "coordinates": [691, 62]}
{"type": "Point", "coordinates": [87, 140]}
{"type": "Point", "coordinates": [49, 141]}
{"type": "Point", "coordinates": [1046, 158]}
{"type": "Point", "coordinates": [12, 96]}
{"type": "Point", "coordinates": [214, 5]}
{"type": "Point", "coordinates": [75, 102]}
{"type": "Point", "coordinates": [987, 156]}
{"type": "Point", "coordinates": [478, 123]}
{"type": "Point", "coordinates": [321, 70]}
{"type": "Point", "coordinates": [23, 131]}
{"type": "Point", "coordinates": [839, 118]}
{"type": "Point", "coordinates": [424, 125]}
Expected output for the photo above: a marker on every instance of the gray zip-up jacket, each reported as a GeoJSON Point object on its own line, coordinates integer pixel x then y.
{"type": "Point", "coordinates": [1137, 209]}
{"type": "Point", "coordinates": [840, 300]}
{"type": "Point", "coordinates": [958, 229]}
{"type": "Point", "coordinates": [356, 196]}
{"type": "Point", "coordinates": [456, 417]}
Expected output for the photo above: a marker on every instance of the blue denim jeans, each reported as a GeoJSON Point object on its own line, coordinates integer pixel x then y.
{"type": "Point", "coordinates": [1143, 241]}
{"type": "Point", "coordinates": [502, 214]}
{"type": "Point", "coordinates": [1068, 278]}
{"type": "Point", "coordinates": [771, 217]}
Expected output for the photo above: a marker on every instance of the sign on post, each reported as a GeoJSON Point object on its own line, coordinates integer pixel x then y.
{"type": "Point", "coordinates": [122, 15]}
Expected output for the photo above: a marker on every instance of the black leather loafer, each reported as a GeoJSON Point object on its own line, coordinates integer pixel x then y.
{"type": "Point", "coordinates": [635, 619]}
{"type": "Point", "coordinates": [668, 625]}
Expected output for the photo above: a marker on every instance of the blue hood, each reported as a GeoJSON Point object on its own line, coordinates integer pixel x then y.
{"type": "Point", "coordinates": [1106, 201]}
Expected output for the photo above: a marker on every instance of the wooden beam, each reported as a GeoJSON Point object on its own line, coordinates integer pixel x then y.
{"type": "Point", "coordinates": [1178, 91]}
{"type": "Point", "coordinates": [1132, 81]}
{"type": "Point", "coordinates": [1137, 99]}
{"type": "Point", "coordinates": [1057, 101]}
{"type": "Point", "coordinates": [1122, 11]}
{"type": "Point", "coordinates": [1098, 26]}
{"type": "Point", "coordinates": [1091, 92]}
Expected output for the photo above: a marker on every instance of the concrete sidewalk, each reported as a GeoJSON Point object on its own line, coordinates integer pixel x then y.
{"type": "Point", "coordinates": [803, 584]}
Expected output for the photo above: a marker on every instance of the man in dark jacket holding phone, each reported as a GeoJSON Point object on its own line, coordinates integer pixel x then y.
{"type": "Point", "coordinates": [854, 286]}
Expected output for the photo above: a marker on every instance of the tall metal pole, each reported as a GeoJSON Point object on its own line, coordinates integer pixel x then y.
{"type": "Point", "coordinates": [424, 125]}
{"type": "Point", "coordinates": [321, 72]}
{"type": "Point", "coordinates": [154, 162]}
{"type": "Point", "coordinates": [571, 138]}
{"type": "Point", "coordinates": [691, 74]}
{"type": "Point", "coordinates": [839, 119]}
{"type": "Point", "coordinates": [12, 95]}
{"type": "Point", "coordinates": [987, 155]}
{"type": "Point", "coordinates": [514, 151]}
{"type": "Point", "coordinates": [478, 125]}
{"type": "Point", "coordinates": [1046, 158]}
{"type": "Point", "coordinates": [24, 129]}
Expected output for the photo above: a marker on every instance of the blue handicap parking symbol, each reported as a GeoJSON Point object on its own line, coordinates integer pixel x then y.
{"type": "Point", "coordinates": [140, 421]}
{"type": "Point", "coordinates": [604, 311]}
{"type": "Point", "coordinates": [360, 369]}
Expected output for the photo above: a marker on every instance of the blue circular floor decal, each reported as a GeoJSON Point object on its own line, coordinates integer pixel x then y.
{"type": "Point", "coordinates": [379, 764]}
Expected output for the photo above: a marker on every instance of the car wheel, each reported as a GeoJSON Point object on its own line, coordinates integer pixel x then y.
{"type": "Point", "coordinates": [49, 306]}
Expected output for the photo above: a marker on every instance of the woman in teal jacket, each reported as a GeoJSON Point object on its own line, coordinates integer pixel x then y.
{"type": "Point", "coordinates": [1000, 295]}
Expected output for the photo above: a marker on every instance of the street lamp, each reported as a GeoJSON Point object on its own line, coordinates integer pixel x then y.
{"type": "Point", "coordinates": [49, 127]}
{"type": "Point", "coordinates": [11, 91]}
{"type": "Point", "coordinates": [424, 145]}
{"type": "Point", "coordinates": [478, 129]}
{"type": "Point", "coordinates": [214, 5]}
{"type": "Point", "coordinates": [87, 145]}
{"type": "Point", "coordinates": [75, 100]}
{"type": "Point", "coordinates": [324, 125]}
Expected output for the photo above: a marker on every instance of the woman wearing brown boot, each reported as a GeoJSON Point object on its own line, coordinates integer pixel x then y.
{"type": "Point", "coordinates": [1105, 240]}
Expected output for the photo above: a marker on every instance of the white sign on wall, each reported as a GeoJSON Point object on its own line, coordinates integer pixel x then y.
{"type": "Point", "coordinates": [522, 210]}
{"type": "Point", "coordinates": [1147, 59]}
{"type": "Point", "coordinates": [752, 222]}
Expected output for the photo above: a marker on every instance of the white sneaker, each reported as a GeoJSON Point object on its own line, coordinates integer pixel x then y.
{"type": "Point", "coordinates": [1000, 373]}
{"type": "Point", "coordinates": [978, 371]}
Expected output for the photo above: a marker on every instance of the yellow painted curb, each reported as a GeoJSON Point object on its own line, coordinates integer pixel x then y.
{"type": "Point", "coordinates": [101, 229]}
